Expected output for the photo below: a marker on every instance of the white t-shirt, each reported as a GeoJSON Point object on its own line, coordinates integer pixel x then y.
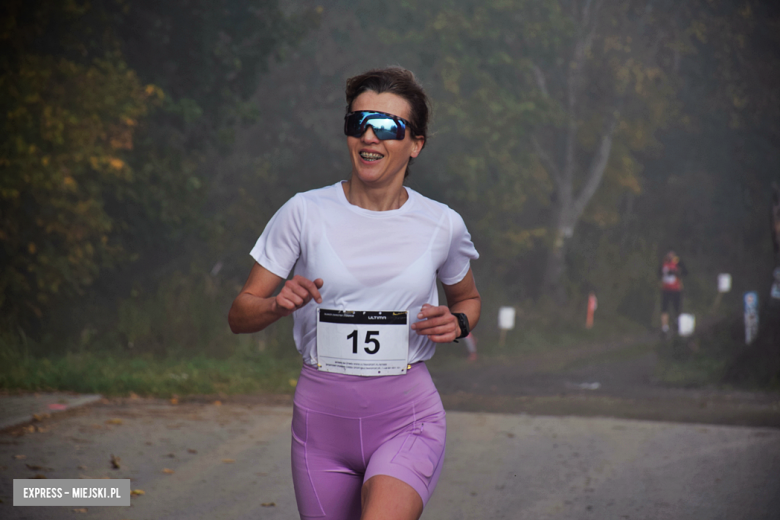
{"type": "Point", "coordinates": [368, 260]}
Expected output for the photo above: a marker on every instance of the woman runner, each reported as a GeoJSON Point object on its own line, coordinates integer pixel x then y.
{"type": "Point", "coordinates": [368, 428]}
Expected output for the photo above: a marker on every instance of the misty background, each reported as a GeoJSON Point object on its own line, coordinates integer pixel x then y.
{"type": "Point", "coordinates": [146, 144]}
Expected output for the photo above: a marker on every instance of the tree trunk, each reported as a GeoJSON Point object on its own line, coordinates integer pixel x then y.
{"type": "Point", "coordinates": [570, 205]}
{"type": "Point", "coordinates": [563, 230]}
{"type": "Point", "coordinates": [570, 208]}
{"type": "Point", "coordinates": [568, 170]}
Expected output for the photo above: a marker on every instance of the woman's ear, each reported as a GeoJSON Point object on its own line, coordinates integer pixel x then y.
{"type": "Point", "coordinates": [419, 144]}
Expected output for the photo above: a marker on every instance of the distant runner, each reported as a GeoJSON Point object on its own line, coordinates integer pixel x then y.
{"type": "Point", "coordinates": [671, 271]}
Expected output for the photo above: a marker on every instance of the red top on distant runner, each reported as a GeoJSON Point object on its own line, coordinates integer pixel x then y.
{"type": "Point", "coordinates": [672, 271]}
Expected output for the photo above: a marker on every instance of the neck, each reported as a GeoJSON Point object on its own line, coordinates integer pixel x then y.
{"type": "Point", "coordinates": [375, 198]}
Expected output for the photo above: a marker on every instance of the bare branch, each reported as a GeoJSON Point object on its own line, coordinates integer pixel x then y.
{"type": "Point", "coordinates": [540, 80]}
{"type": "Point", "coordinates": [547, 162]}
{"type": "Point", "coordinates": [586, 13]}
{"type": "Point", "coordinates": [592, 32]}
{"type": "Point", "coordinates": [597, 166]}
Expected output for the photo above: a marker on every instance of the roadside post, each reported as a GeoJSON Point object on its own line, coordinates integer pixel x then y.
{"type": "Point", "coordinates": [724, 283]}
{"type": "Point", "coordinates": [724, 286]}
{"type": "Point", "coordinates": [686, 324]}
{"type": "Point", "coordinates": [506, 321]}
{"type": "Point", "coordinates": [751, 316]}
{"type": "Point", "coordinates": [593, 304]}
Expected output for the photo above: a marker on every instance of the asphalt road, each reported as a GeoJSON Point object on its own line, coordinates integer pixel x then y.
{"type": "Point", "coordinates": [232, 461]}
{"type": "Point", "coordinates": [565, 460]}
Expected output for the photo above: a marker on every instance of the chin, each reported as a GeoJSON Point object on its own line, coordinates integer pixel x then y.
{"type": "Point", "coordinates": [369, 177]}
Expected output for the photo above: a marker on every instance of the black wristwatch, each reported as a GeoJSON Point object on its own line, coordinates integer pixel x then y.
{"type": "Point", "coordinates": [463, 323]}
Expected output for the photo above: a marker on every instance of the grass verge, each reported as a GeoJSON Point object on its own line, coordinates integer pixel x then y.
{"type": "Point", "coordinates": [718, 356]}
{"type": "Point", "coordinates": [119, 375]}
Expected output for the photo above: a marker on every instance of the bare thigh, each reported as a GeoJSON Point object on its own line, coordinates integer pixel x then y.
{"type": "Point", "coordinates": [388, 498]}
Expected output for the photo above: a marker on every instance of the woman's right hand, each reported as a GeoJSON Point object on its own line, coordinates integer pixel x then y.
{"type": "Point", "coordinates": [296, 293]}
{"type": "Point", "coordinates": [256, 307]}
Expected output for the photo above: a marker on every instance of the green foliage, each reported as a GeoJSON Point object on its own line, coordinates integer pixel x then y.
{"type": "Point", "coordinates": [173, 342]}
{"type": "Point", "coordinates": [186, 315]}
{"type": "Point", "coordinates": [111, 110]}
{"type": "Point", "coordinates": [68, 128]}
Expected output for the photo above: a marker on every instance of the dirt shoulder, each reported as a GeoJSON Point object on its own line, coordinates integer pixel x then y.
{"type": "Point", "coordinates": [607, 379]}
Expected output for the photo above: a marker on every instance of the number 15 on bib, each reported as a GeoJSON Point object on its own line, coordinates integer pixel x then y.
{"type": "Point", "coordinates": [363, 343]}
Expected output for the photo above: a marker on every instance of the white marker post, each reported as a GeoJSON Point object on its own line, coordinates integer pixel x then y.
{"type": "Point", "coordinates": [724, 282]}
{"type": "Point", "coordinates": [686, 324]}
{"type": "Point", "coordinates": [724, 286]}
{"type": "Point", "coordinates": [506, 321]}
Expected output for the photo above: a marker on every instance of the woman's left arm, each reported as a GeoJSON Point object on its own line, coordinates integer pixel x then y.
{"type": "Point", "coordinates": [438, 323]}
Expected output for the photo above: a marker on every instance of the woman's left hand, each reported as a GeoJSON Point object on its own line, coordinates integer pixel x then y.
{"type": "Point", "coordinates": [437, 323]}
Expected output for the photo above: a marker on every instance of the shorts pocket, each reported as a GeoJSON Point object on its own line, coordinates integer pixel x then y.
{"type": "Point", "coordinates": [423, 447]}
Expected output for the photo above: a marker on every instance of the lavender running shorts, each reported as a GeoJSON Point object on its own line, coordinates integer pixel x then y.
{"type": "Point", "coordinates": [346, 429]}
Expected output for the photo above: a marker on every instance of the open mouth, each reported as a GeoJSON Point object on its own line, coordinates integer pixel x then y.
{"type": "Point", "coordinates": [370, 156]}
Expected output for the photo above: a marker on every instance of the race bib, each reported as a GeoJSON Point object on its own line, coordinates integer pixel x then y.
{"type": "Point", "coordinates": [363, 343]}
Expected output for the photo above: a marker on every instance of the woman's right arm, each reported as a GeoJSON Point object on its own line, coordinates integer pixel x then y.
{"type": "Point", "coordinates": [255, 307]}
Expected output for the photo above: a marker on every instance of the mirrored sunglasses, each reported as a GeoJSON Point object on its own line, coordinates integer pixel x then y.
{"type": "Point", "coordinates": [385, 126]}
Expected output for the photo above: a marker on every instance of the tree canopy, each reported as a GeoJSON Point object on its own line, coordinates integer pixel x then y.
{"type": "Point", "coordinates": [110, 110]}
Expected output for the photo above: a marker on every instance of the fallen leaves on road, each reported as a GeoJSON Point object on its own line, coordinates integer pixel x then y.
{"type": "Point", "coordinates": [133, 395]}
{"type": "Point", "coordinates": [115, 461]}
{"type": "Point", "coordinates": [137, 492]}
{"type": "Point", "coordinates": [175, 399]}
{"type": "Point", "coordinates": [228, 461]}
{"type": "Point", "coordinates": [80, 510]}
{"type": "Point", "coordinates": [39, 476]}
{"type": "Point", "coordinates": [268, 504]}
{"type": "Point", "coordinates": [31, 428]}
{"type": "Point", "coordinates": [38, 468]}
{"type": "Point", "coordinates": [217, 403]}
{"type": "Point", "coordinates": [38, 417]}
{"type": "Point", "coordinates": [114, 421]}
{"type": "Point", "coordinates": [20, 457]}
{"type": "Point", "coordinates": [190, 450]}
{"type": "Point", "coordinates": [168, 471]}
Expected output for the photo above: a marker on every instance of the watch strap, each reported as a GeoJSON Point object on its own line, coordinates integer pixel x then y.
{"type": "Point", "coordinates": [463, 322]}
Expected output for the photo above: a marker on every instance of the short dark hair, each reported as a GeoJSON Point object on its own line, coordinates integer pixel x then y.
{"type": "Point", "coordinates": [398, 81]}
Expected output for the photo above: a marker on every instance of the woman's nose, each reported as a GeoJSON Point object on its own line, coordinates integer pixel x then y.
{"type": "Point", "coordinates": [369, 136]}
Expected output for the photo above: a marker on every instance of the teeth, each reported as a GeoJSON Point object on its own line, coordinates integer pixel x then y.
{"type": "Point", "coordinates": [370, 156]}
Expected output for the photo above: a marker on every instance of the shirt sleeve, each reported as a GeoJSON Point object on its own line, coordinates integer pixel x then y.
{"type": "Point", "coordinates": [461, 251]}
{"type": "Point", "coordinates": [279, 247]}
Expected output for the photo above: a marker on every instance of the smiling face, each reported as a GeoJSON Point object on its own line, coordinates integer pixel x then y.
{"type": "Point", "coordinates": [377, 163]}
